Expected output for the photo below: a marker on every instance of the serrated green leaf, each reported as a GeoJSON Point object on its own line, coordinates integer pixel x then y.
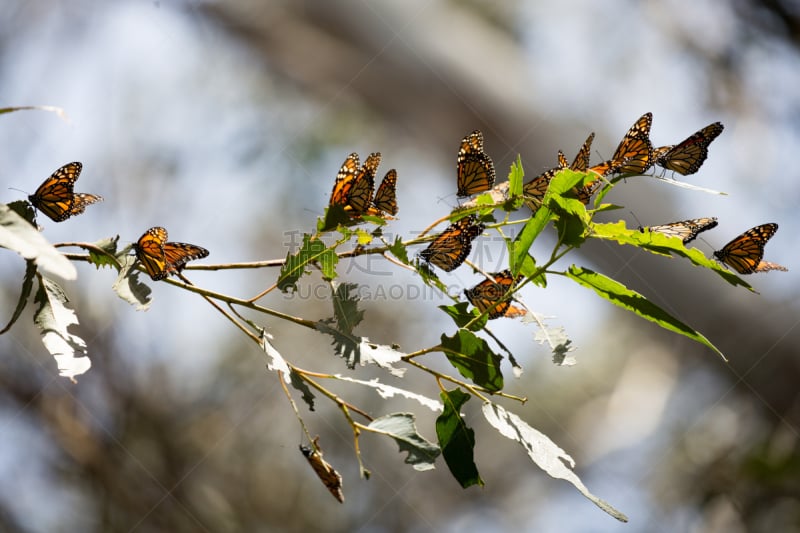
{"type": "Point", "coordinates": [54, 319]}
{"type": "Point", "coordinates": [519, 247]}
{"type": "Point", "coordinates": [129, 287]}
{"type": "Point", "coordinates": [335, 216]}
{"type": "Point", "coordinates": [24, 295]}
{"type": "Point", "coordinates": [457, 439]}
{"type": "Point", "coordinates": [462, 316]}
{"type": "Point", "coordinates": [399, 250]}
{"type": "Point", "coordinates": [108, 245]}
{"type": "Point", "coordinates": [619, 295]}
{"type": "Point", "coordinates": [515, 178]}
{"type": "Point", "coordinates": [473, 359]}
{"type": "Point", "coordinates": [312, 250]}
{"type": "Point", "coordinates": [302, 386]}
{"type": "Point", "coordinates": [542, 451]}
{"type": "Point", "coordinates": [401, 427]}
{"type": "Point", "coordinates": [18, 235]}
{"type": "Point", "coordinates": [363, 237]}
{"type": "Point", "coordinates": [660, 244]}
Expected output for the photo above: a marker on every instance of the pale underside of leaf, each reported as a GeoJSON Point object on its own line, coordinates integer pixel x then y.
{"type": "Point", "coordinates": [401, 427]}
{"type": "Point", "coordinates": [54, 319]}
{"type": "Point", "coordinates": [388, 391]}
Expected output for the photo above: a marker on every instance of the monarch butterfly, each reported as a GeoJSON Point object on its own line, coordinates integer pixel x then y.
{"type": "Point", "coordinates": [744, 253]}
{"type": "Point", "coordinates": [486, 295]}
{"type": "Point", "coordinates": [326, 473]}
{"type": "Point", "coordinates": [634, 154]}
{"type": "Point", "coordinates": [449, 249]}
{"type": "Point", "coordinates": [475, 169]}
{"type": "Point", "coordinates": [688, 156]}
{"type": "Point", "coordinates": [161, 258]}
{"type": "Point", "coordinates": [386, 196]}
{"type": "Point", "coordinates": [534, 190]}
{"type": "Point", "coordinates": [55, 198]}
{"type": "Point", "coordinates": [581, 162]}
{"type": "Point", "coordinates": [354, 185]}
{"type": "Point", "coordinates": [687, 230]}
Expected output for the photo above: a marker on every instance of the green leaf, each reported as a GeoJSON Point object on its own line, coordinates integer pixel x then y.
{"type": "Point", "coordinates": [335, 215]}
{"type": "Point", "coordinates": [457, 439]}
{"type": "Point", "coordinates": [463, 316]}
{"type": "Point", "coordinates": [660, 244]}
{"type": "Point", "coordinates": [24, 295]}
{"type": "Point", "coordinates": [399, 250]}
{"type": "Point", "coordinates": [109, 245]}
{"type": "Point", "coordinates": [54, 319]}
{"type": "Point", "coordinates": [401, 427]}
{"type": "Point", "coordinates": [515, 178]}
{"type": "Point", "coordinates": [621, 296]}
{"type": "Point", "coordinates": [473, 358]}
{"type": "Point", "coordinates": [542, 451]}
{"type": "Point", "coordinates": [363, 237]}
{"type": "Point", "coordinates": [519, 247]}
{"type": "Point", "coordinates": [302, 386]}
{"type": "Point", "coordinates": [313, 250]}
{"type": "Point", "coordinates": [128, 287]}
{"type": "Point", "coordinates": [18, 235]}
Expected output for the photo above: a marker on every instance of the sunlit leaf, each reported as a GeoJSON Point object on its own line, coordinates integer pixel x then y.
{"type": "Point", "coordinates": [129, 287]}
{"type": "Point", "coordinates": [401, 427]}
{"type": "Point", "coordinates": [18, 235]}
{"type": "Point", "coordinates": [398, 249]}
{"type": "Point", "coordinates": [616, 293]}
{"type": "Point", "coordinates": [462, 316]}
{"type": "Point", "coordinates": [312, 250]}
{"type": "Point", "coordinates": [555, 338]}
{"type": "Point", "coordinates": [457, 439]}
{"type": "Point", "coordinates": [543, 451]}
{"type": "Point", "coordinates": [109, 245]}
{"type": "Point", "coordinates": [388, 391]}
{"type": "Point", "coordinates": [54, 319]}
{"type": "Point", "coordinates": [24, 295]}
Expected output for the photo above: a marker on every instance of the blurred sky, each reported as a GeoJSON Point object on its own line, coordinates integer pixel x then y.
{"type": "Point", "coordinates": [179, 125]}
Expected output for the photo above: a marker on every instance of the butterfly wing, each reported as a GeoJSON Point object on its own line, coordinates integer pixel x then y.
{"type": "Point", "coordinates": [475, 170]}
{"type": "Point", "coordinates": [386, 196]}
{"type": "Point", "coordinates": [689, 155]}
{"type": "Point", "coordinates": [344, 180]}
{"type": "Point", "coordinates": [489, 294]}
{"type": "Point", "coordinates": [177, 254]}
{"type": "Point", "coordinates": [150, 252]}
{"type": "Point", "coordinates": [744, 253]}
{"type": "Point", "coordinates": [534, 190]}
{"type": "Point", "coordinates": [581, 162]}
{"type": "Point", "coordinates": [54, 197]}
{"type": "Point", "coordinates": [766, 266]}
{"type": "Point", "coordinates": [359, 197]}
{"type": "Point", "coordinates": [634, 154]}
{"type": "Point", "coordinates": [451, 247]}
{"type": "Point", "coordinates": [686, 230]}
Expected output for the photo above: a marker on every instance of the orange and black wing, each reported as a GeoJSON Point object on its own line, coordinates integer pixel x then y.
{"type": "Point", "coordinates": [634, 154]}
{"type": "Point", "coordinates": [492, 295]}
{"type": "Point", "coordinates": [150, 252]}
{"type": "Point", "coordinates": [688, 156]}
{"type": "Point", "coordinates": [55, 197]}
{"type": "Point", "coordinates": [451, 247]}
{"type": "Point", "coordinates": [344, 180]}
{"type": "Point", "coordinates": [475, 169]}
{"type": "Point", "coordinates": [744, 253]}
{"type": "Point", "coordinates": [686, 230]}
{"type": "Point", "coordinates": [386, 196]}
{"type": "Point", "coordinates": [177, 254]}
{"type": "Point", "coordinates": [533, 191]}
{"type": "Point", "coordinates": [581, 162]}
{"type": "Point", "coordinates": [359, 197]}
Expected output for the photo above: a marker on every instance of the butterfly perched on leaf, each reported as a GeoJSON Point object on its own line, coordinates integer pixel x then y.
{"type": "Point", "coordinates": [688, 156]}
{"type": "Point", "coordinates": [492, 295]}
{"type": "Point", "coordinates": [355, 184]}
{"type": "Point", "coordinates": [385, 200]}
{"type": "Point", "coordinates": [452, 246]}
{"type": "Point", "coordinates": [744, 253]}
{"type": "Point", "coordinates": [326, 473]}
{"type": "Point", "coordinates": [55, 197]}
{"type": "Point", "coordinates": [161, 258]}
{"type": "Point", "coordinates": [686, 230]}
{"type": "Point", "coordinates": [475, 169]}
{"type": "Point", "coordinates": [534, 190]}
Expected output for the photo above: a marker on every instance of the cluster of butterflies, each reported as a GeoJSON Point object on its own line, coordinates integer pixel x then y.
{"type": "Point", "coordinates": [634, 155]}
{"type": "Point", "coordinates": [57, 199]}
{"type": "Point", "coordinates": [355, 185]}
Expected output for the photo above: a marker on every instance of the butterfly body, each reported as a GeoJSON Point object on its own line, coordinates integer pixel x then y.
{"type": "Point", "coordinates": [686, 230]}
{"type": "Point", "coordinates": [161, 258]}
{"type": "Point", "coordinates": [55, 196]}
{"type": "Point", "coordinates": [634, 154]}
{"type": "Point", "coordinates": [451, 247]}
{"type": "Point", "coordinates": [745, 253]}
{"type": "Point", "coordinates": [475, 169]}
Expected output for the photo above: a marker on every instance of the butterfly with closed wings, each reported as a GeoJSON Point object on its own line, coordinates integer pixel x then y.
{"type": "Point", "coordinates": [452, 246]}
{"type": "Point", "coordinates": [688, 156]}
{"type": "Point", "coordinates": [161, 258]}
{"type": "Point", "coordinates": [686, 230]}
{"type": "Point", "coordinates": [744, 253]}
{"type": "Point", "coordinates": [492, 295]}
{"type": "Point", "coordinates": [475, 169]}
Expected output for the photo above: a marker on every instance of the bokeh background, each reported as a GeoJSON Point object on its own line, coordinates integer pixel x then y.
{"type": "Point", "coordinates": [227, 121]}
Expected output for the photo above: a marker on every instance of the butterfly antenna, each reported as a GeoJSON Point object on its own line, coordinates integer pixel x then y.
{"type": "Point", "coordinates": [20, 190]}
{"type": "Point", "coordinates": [637, 219]}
